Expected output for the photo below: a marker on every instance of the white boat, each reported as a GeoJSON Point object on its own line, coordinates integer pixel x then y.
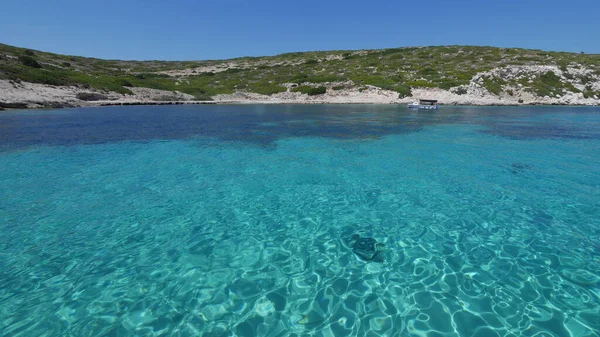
{"type": "Point", "coordinates": [425, 104]}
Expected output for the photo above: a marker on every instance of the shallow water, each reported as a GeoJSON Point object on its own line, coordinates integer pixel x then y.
{"type": "Point", "coordinates": [236, 220]}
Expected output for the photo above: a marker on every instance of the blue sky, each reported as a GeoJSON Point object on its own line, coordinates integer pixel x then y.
{"type": "Point", "coordinates": [216, 29]}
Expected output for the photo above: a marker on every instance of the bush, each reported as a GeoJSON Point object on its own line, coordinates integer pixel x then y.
{"type": "Point", "coordinates": [323, 78]}
{"type": "Point", "coordinates": [421, 84]}
{"type": "Point", "coordinates": [144, 76]}
{"type": "Point", "coordinates": [548, 84]}
{"type": "Point", "coordinates": [266, 88]}
{"type": "Point", "coordinates": [66, 64]}
{"type": "Point", "coordinates": [403, 91]}
{"type": "Point", "coordinates": [585, 79]}
{"type": "Point", "coordinates": [29, 61]}
{"type": "Point", "coordinates": [428, 72]}
{"type": "Point", "coordinates": [461, 91]}
{"type": "Point", "coordinates": [310, 91]}
{"type": "Point", "coordinates": [338, 87]}
{"type": "Point", "coordinates": [464, 77]}
{"type": "Point", "coordinates": [493, 85]}
{"type": "Point", "coordinates": [90, 96]}
{"type": "Point", "coordinates": [391, 51]}
{"type": "Point", "coordinates": [312, 61]}
{"type": "Point", "coordinates": [590, 94]}
{"type": "Point", "coordinates": [447, 83]}
{"type": "Point", "coordinates": [29, 52]}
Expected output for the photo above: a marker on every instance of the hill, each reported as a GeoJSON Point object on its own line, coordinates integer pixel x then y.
{"type": "Point", "coordinates": [453, 74]}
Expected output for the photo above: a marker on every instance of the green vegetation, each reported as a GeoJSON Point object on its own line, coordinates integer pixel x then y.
{"type": "Point", "coordinates": [461, 91]}
{"type": "Point", "coordinates": [310, 91]}
{"type": "Point", "coordinates": [266, 88]}
{"type": "Point", "coordinates": [397, 69]}
{"type": "Point", "coordinates": [403, 91]}
{"type": "Point", "coordinates": [548, 84]}
{"type": "Point", "coordinates": [29, 61]}
{"type": "Point", "coordinates": [589, 93]}
{"type": "Point", "coordinates": [494, 85]}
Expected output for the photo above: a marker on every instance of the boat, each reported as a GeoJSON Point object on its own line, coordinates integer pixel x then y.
{"type": "Point", "coordinates": [424, 104]}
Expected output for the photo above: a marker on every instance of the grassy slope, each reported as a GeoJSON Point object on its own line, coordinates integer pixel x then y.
{"type": "Point", "coordinates": [396, 69]}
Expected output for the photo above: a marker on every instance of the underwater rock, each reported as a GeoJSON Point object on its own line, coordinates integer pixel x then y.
{"type": "Point", "coordinates": [368, 249]}
{"type": "Point", "coordinates": [517, 168]}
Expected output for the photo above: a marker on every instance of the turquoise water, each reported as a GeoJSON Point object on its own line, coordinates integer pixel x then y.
{"type": "Point", "coordinates": [236, 221]}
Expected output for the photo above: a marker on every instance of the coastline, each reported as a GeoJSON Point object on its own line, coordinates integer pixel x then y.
{"type": "Point", "coordinates": [26, 95]}
{"type": "Point", "coordinates": [56, 105]}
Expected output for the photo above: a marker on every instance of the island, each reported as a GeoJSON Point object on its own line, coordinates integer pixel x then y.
{"type": "Point", "coordinates": [452, 75]}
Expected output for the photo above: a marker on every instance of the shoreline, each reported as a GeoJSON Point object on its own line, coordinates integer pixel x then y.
{"type": "Point", "coordinates": [26, 95]}
{"type": "Point", "coordinates": [18, 106]}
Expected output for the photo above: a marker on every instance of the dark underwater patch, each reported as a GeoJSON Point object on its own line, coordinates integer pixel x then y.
{"type": "Point", "coordinates": [367, 249]}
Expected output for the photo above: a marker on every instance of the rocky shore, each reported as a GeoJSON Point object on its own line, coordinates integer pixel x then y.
{"type": "Point", "coordinates": [14, 95]}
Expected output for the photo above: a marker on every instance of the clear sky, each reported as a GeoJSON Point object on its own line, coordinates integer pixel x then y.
{"type": "Point", "coordinates": [216, 29]}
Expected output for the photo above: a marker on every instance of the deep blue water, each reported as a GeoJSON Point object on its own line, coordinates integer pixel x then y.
{"type": "Point", "coordinates": [241, 221]}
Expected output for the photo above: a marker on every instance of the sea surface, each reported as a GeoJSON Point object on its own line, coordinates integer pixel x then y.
{"type": "Point", "coordinates": [300, 220]}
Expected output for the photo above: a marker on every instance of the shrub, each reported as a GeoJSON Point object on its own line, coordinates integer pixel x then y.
{"type": "Point", "coordinates": [90, 96]}
{"type": "Point", "coordinates": [299, 78]}
{"type": "Point", "coordinates": [391, 51]}
{"type": "Point", "coordinates": [465, 77]}
{"type": "Point", "coordinates": [590, 94]}
{"type": "Point", "coordinates": [312, 61]}
{"type": "Point", "coordinates": [29, 52]}
{"type": "Point", "coordinates": [66, 64]}
{"type": "Point", "coordinates": [403, 91]}
{"type": "Point", "coordinates": [562, 65]}
{"type": "Point", "coordinates": [427, 72]}
{"type": "Point", "coordinates": [585, 79]}
{"type": "Point", "coordinates": [266, 88]}
{"type": "Point", "coordinates": [338, 87]}
{"type": "Point", "coordinates": [461, 91]}
{"type": "Point", "coordinates": [144, 76]}
{"type": "Point", "coordinates": [323, 78]}
{"type": "Point", "coordinates": [421, 83]}
{"type": "Point", "coordinates": [548, 84]}
{"type": "Point", "coordinates": [317, 91]}
{"type": "Point", "coordinates": [310, 91]}
{"type": "Point", "coordinates": [233, 71]}
{"type": "Point", "coordinates": [493, 85]}
{"type": "Point", "coordinates": [29, 61]}
{"type": "Point", "coordinates": [447, 83]}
